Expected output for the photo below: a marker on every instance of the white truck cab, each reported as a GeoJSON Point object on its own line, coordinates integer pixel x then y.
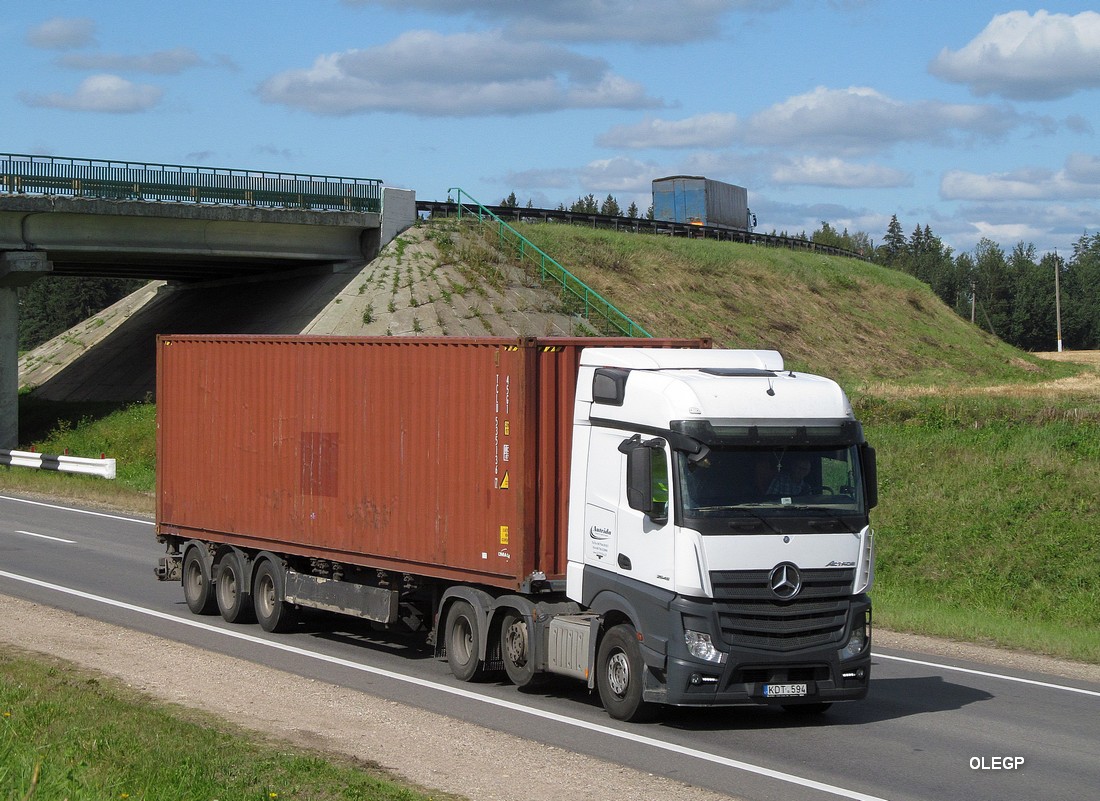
{"type": "Point", "coordinates": [719, 520]}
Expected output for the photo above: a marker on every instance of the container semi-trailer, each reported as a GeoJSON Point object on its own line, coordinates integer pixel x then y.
{"type": "Point", "coordinates": [669, 523]}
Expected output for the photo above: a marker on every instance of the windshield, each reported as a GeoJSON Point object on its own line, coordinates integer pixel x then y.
{"type": "Point", "coordinates": [770, 483]}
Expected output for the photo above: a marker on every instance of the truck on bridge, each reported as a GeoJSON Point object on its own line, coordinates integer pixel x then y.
{"type": "Point", "coordinates": [668, 523]}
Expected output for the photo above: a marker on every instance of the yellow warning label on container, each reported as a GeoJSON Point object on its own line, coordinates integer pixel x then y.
{"type": "Point", "coordinates": [504, 481]}
{"type": "Point", "coordinates": [507, 428]}
{"type": "Point", "coordinates": [504, 535]}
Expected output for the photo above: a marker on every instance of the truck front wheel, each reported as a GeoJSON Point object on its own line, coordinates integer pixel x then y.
{"type": "Point", "coordinates": [234, 599]}
{"type": "Point", "coordinates": [463, 633]}
{"type": "Point", "coordinates": [619, 675]}
{"type": "Point", "coordinates": [198, 589]}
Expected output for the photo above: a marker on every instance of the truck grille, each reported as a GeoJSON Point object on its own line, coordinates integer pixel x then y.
{"type": "Point", "coordinates": [749, 616]}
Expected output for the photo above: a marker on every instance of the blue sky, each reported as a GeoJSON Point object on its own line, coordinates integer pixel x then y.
{"type": "Point", "coordinates": [977, 118]}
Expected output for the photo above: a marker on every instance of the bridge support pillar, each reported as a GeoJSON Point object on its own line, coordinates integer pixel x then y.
{"type": "Point", "coordinates": [17, 268]}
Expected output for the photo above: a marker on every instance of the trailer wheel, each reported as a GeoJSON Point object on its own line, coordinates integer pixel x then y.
{"type": "Point", "coordinates": [273, 613]}
{"type": "Point", "coordinates": [198, 589]}
{"type": "Point", "coordinates": [619, 675]}
{"type": "Point", "coordinates": [463, 632]}
{"type": "Point", "coordinates": [234, 599]}
{"type": "Point", "coordinates": [515, 646]}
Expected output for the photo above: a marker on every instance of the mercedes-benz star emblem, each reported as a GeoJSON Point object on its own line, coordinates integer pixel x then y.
{"type": "Point", "coordinates": [785, 581]}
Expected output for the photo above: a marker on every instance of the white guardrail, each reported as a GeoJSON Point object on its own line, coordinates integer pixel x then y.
{"type": "Point", "coordinates": [104, 468]}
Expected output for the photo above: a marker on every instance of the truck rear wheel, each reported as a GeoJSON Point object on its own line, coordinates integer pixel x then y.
{"type": "Point", "coordinates": [273, 613]}
{"type": "Point", "coordinates": [463, 633]}
{"type": "Point", "coordinates": [515, 646]}
{"type": "Point", "coordinates": [619, 675]}
{"type": "Point", "coordinates": [234, 599]}
{"type": "Point", "coordinates": [198, 589]}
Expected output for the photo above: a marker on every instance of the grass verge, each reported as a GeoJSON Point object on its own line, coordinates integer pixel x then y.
{"type": "Point", "coordinates": [987, 524]}
{"type": "Point", "coordinates": [66, 733]}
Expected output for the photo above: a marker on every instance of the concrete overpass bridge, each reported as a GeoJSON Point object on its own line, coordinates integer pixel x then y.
{"type": "Point", "coordinates": [190, 226]}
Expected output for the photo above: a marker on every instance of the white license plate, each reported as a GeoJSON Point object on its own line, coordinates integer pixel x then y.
{"type": "Point", "coordinates": [784, 690]}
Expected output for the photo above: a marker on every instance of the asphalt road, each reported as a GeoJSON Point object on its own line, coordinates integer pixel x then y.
{"type": "Point", "coordinates": [928, 730]}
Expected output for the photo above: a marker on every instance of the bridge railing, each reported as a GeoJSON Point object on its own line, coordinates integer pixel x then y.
{"type": "Point", "coordinates": [126, 180]}
{"type": "Point", "coordinates": [590, 304]}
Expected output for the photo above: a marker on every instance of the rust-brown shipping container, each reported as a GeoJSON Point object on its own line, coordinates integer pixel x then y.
{"type": "Point", "coordinates": [442, 457]}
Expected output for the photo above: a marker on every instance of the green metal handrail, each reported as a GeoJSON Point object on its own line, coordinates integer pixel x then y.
{"type": "Point", "coordinates": [595, 305]}
{"type": "Point", "coordinates": [127, 180]}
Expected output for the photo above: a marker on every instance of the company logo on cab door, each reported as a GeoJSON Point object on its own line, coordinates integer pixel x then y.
{"type": "Point", "coordinates": [599, 533]}
{"type": "Point", "coordinates": [598, 537]}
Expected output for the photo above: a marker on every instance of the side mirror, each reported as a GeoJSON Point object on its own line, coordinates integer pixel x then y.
{"type": "Point", "coordinates": [645, 491]}
{"type": "Point", "coordinates": [870, 475]}
{"type": "Point", "coordinates": [639, 478]}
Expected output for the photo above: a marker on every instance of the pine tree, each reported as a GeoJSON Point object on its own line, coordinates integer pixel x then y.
{"type": "Point", "coordinates": [894, 241]}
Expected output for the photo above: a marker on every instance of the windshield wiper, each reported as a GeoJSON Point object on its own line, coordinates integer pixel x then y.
{"type": "Point", "coordinates": [743, 524]}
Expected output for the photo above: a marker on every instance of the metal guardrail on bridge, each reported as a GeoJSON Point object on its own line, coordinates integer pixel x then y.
{"type": "Point", "coordinates": [128, 180]}
{"type": "Point", "coordinates": [596, 309]}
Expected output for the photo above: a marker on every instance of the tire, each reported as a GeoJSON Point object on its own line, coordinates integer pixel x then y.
{"type": "Point", "coordinates": [273, 613]}
{"type": "Point", "coordinates": [234, 598]}
{"type": "Point", "coordinates": [463, 632]}
{"type": "Point", "coordinates": [198, 589]}
{"type": "Point", "coordinates": [620, 674]}
{"type": "Point", "coordinates": [515, 649]}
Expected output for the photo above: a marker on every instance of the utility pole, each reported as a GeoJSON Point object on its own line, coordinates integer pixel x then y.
{"type": "Point", "coordinates": [1057, 299]}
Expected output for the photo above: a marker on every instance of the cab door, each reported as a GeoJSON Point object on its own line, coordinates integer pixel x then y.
{"type": "Point", "coordinates": [645, 542]}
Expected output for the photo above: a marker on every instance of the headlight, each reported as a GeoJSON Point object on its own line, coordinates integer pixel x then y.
{"type": "Point", "coordinates": [857, 642]}
{"type": "Point", "coordinates": [700, 646]}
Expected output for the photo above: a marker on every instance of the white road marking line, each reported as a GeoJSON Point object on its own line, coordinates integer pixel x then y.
{"type": "Point", "coordinates": [45, 537]}
{"type": "Point", "coordinates": [78, 511]}
{"type": "Point", "coordinates": [990, 675]}
{"type": "Point", "coordinates": [652, 742]}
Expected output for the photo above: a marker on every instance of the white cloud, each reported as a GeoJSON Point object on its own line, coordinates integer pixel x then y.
{"type": "Point", "coordinates": [619, 175]}
{"type": "Point", "coordinates": [102, 93]}
{"type": "Point", "coordinates": [863, 120]}
{"type": "Point", "coordinates": [555, 178]}
{"type": "Point", "coordinates": [1008, 232]}
{"type": "Point", "coordinates": [62, 33]}
{"type": "Point", "coordinates": [1080, 178]}
{"type": "Point", "coordinates": [704, 130]}
{"type": "Point", "coordinates": [1083, 168]}
{"type": "Point", "coordinates": [644, 21]}
{"type": "Point", "coordinates": [162, 62]}
{"type": "Point", "coordinates": [838, 173]}
{"type": "Point", "coordinates": [1027, 57]}
{"type": "Point", "coordinates": [467, 74]}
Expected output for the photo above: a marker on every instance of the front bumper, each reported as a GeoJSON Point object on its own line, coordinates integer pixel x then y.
{"type": "Point", "coordinates": [688, 681]}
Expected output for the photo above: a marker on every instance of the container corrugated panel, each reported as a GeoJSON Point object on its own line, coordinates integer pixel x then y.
{"type": "Point", "coordinates": [727, 204]}
{"type": "Point", "coordinates": [444, 457]}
